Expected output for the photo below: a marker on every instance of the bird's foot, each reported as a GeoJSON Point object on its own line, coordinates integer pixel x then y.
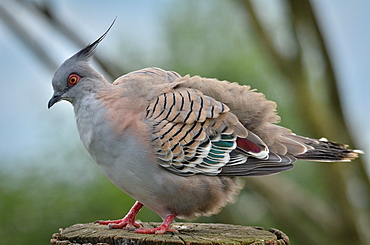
{"type": "Point", "coordinates": [127, 222]}
{"type": "Point", "coordinates": [163, 228]}
{"type": "Point", "coordinates": [120, 223]}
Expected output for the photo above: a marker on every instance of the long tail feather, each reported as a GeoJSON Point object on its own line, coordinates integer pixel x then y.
{"type": "Point", "coordinates": [327, 151]}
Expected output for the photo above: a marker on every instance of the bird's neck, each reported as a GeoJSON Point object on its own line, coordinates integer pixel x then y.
{"type": "Point", "coordinates": [88, 112]}
{"type": "Point", "coordinates": [107, 110]}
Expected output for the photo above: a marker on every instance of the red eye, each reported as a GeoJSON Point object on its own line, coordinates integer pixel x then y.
{"type": "Point", "coordinates": [73, 79]}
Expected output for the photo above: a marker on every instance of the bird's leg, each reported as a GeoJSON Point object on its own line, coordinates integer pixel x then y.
{"type": "Point", "coordinates": [164, 227]}
{"type": "Point", "coordinates": [128, 221]}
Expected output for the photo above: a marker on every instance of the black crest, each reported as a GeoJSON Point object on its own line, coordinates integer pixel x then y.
{"type": "Point", "coordinates": [87, 52]}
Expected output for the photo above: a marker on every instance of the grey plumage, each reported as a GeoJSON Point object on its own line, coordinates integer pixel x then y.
{"type": "Point", "coordinates": [177, 144]}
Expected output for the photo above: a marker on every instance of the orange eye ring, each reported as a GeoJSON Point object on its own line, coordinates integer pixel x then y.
{"type": "Point", "coordinates": [73, 79]}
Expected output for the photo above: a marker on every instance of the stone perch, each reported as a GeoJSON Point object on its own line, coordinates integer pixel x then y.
{"type": "Point", "coordinates": [189, 233]}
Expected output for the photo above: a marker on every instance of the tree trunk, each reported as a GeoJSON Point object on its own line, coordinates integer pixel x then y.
{"type": "Point", "coordinates": [189, 233]}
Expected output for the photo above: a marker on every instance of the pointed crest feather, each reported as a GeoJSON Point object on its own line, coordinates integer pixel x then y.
{"type": "Point", "coordinates": [87, 52]}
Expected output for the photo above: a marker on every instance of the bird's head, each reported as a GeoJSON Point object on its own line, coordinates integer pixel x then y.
{"type": "Point", "coordinates": [75, 75]}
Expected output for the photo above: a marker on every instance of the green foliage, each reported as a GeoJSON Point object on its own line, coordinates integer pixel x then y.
{"type": "Point", "coordinates": [37, 202]}
{"type": "Point", "coordinates": [199, 38]}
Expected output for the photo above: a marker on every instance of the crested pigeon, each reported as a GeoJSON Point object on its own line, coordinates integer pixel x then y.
{"type": "Point", "coordinates": [178, 145]}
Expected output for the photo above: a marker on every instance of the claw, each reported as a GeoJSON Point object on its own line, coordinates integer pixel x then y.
{"type": "Point", "coordinates": [119, 224]}
{"type": "Point", "coordinates": [163, 228]}
{"type": "Point", "coordinates": [127, 222]}
{"type": "Point", "coordinates": [124, 224]}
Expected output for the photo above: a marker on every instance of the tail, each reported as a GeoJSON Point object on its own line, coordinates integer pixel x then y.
{"type": "Point", "coordinates": [245, 160]}
{"type": "Point", "coordinates": [326, 151]}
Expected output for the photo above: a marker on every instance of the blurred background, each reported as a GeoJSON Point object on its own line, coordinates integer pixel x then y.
{"type": "Point", "coordinates": [311, 57]}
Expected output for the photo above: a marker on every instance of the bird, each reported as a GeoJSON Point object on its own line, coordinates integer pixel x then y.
{"type": "Point", "coordinates": [179, 145]}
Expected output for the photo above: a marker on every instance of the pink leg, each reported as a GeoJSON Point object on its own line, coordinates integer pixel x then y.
{"type": "Point", "coordinates": [128, 221]}
{"type": "Point", "coordinates": [164, 227]}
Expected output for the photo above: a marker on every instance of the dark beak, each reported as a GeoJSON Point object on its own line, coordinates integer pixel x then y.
{"type": "Point", "coordinates": [57, 96]}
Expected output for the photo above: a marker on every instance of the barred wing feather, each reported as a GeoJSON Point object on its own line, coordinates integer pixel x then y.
{"type": "Point", "coordinates": [194, 134]}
